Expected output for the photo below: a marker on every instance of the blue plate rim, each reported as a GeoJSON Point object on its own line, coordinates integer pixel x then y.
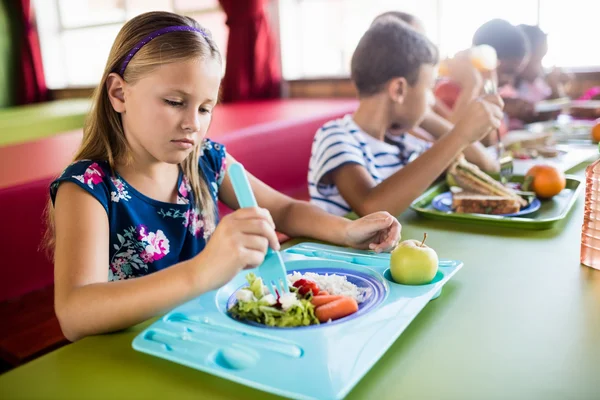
{"type": "Point", "coordinates": [530, 209]}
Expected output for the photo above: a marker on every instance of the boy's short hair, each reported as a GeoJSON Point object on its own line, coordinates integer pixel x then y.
{"type": "Point", "coordinates": [536, 37]}
{"type": "Point", "coordinates": [406, 17]}
{"type": "Point", "coordinates": [508, 40]}
{"type": "Point", "coordinates": [389, 49]}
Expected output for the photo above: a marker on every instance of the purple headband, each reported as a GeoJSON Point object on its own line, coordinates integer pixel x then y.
{"type": "Point", "coordinates": [155, 34]}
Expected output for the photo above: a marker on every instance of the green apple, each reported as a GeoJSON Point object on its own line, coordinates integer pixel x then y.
{"type": "Point", "coordinates": [413, 263]}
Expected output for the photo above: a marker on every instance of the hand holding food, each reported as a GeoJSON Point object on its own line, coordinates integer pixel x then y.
{"type": "Point", "coordinates": [239, 241]}
{"type": "Point", "coordinates": [480, 118]}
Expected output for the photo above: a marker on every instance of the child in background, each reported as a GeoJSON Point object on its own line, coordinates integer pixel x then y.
{"type": "Point", "coordinates": [439, 119]}
{"type": "Point", "coordinates": [511, 45]}
{"type": "Point", "coordinates": [134, 228]}
{"type": "Point", "coordinates": [512, 49]}
{"type": "Point", "coordinates": [532, 84]}
{"type": "Point", "coordinates": [359, 163]}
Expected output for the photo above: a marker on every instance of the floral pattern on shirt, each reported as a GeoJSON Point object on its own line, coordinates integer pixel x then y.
{"type": "Point", "coordinates": [147, 235]}
{"type": "Point", "coordinates": [92, 176]}
{"type": "Point", "coordinates": [121, 193]}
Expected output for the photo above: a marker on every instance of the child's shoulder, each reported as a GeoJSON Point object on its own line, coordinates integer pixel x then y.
{"type": "Point", "coordinates": [91, 175]}
{"type": "Point", "coordinates": [88, 172]}
{"type": "Point", "coordinates": [91, 167]}
{"type": "Point", "coordinates": [342, 129]}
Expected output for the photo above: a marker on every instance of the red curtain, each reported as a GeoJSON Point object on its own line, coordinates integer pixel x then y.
{"type": "Point", "coordinates": [252, 70]}
{"type": "Point", "coordinates": [31, 84]}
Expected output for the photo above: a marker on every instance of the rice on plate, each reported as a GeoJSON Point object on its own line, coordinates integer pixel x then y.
{"type": "Point", "coordinates": [333, 284]}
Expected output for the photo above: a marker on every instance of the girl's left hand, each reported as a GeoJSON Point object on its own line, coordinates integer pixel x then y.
{"type": "Point", "coordinates": [379, 231]}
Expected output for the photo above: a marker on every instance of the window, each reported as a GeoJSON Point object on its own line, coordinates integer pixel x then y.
{"type": "Point", "coordinates": [569, 31]}
{"type": "Point", "coordinates": [319, 36]}
{"type": "Point", "coordinates": [76, 35]}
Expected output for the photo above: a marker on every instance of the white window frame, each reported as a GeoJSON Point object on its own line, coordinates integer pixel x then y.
{"type": "Point", "coordinates": [58, 30]}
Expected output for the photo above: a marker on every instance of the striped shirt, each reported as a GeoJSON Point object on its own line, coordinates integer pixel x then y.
{"type": "Point", "coordinates": [341, 142]}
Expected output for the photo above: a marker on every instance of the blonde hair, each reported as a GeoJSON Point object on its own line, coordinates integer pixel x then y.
{"type": "Point", "coordinates": [103, 134]}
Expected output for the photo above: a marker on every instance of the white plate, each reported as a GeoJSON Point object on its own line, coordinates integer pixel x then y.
{"type": "Point", "coordinates": [574, 156]}
{"type": "Point", "coordinates": [552, 105]}
{"type": "Point", "coordinates": [592, 104]}
{"type": "Point", "coordinates": [564, 124]}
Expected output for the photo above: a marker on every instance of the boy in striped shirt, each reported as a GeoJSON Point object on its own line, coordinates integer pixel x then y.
{"type": "Point", "coordinates": [362, 162]}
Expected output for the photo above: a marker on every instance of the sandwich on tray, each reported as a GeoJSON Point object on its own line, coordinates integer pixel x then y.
{"type": "Point", "coordinates": [481, 194]}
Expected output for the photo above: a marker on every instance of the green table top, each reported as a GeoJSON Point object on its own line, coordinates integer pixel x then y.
{"type": "Point", "coordinates": [521, 320]}
{"type": "Point", "coordinates": [26, 123]}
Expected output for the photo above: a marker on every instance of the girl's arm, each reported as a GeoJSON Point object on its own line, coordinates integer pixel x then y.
{"type": "Point", "coordinates": [422, 134]}
{"type": "Point", "coordinates": [87, 304]}
{"type": "Point", "coordinates": [379, 232]}
{"type": "Point", "coordinates": [441, 109]}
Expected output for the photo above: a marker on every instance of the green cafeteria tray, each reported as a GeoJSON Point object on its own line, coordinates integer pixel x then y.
{"type": "Point", "coordinates": [551, 212]}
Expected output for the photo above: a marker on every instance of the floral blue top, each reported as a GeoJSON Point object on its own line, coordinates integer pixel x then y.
{"type": "Point", "coordinates": [147, 235]}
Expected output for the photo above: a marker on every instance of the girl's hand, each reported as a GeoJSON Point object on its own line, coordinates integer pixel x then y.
{"type": "Point", "coordinates": [379, 231]}
{"type": "Point", "coordinates": [240, 241]}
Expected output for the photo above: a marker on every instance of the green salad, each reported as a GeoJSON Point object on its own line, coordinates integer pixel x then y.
{"type": "Point", "coordinates": [255, 303]}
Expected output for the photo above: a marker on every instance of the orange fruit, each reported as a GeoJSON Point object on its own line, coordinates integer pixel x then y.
{"type": "Point", "coordinates": [546, 181]}
{"type": "Point", "coordinates": [596, 132]}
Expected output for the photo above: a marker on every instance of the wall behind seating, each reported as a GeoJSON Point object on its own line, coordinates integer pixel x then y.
{"type": "Point", "coordinates": [8, 56]}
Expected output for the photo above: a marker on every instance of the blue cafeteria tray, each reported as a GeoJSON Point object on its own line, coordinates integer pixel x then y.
{"type": "Point", "coordinates": [318, 362]}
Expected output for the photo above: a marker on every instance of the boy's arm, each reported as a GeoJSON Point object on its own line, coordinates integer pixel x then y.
{"type": "Point", "coordinates": [474, 153]}
{"type": "Point", "coordinates": [396, 193]}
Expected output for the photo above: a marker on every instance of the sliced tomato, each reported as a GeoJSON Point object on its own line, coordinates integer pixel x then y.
{"type": "Point", "coordinates": [300, 282]}
{"type": "Point", "coordinates": [309, 287]}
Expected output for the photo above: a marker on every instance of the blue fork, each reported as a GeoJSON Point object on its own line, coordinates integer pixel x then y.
{"type": "Point", "coordinates": [272, 270]}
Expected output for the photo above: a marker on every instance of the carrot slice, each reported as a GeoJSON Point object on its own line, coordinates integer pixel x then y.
{"type": "Point", "coordinates": [320, 300]}
{"type": "Point", "coordinates": [336, 309]}
{"type": "Point", "coordinates": [323, 293]}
